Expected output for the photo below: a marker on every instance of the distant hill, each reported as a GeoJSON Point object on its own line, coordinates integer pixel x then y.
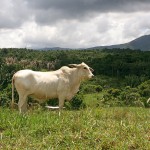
{"type": "Point", "coordinates": [51, 48]}
{"type": "Point", "coordinates": [141, 43]}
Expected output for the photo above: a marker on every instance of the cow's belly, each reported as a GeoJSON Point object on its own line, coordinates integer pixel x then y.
{"type": "Point", "coordinates": [41, 96]}
{"type": "Point", "coordinates": [45, 92]}
{"type": "Point", "coordinates": [69, 97]}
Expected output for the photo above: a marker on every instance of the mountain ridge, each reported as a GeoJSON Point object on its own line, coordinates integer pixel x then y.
{"type": "Point", "coordinates": [141, 43]}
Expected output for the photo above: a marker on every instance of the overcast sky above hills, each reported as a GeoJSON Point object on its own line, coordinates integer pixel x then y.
{"type": "Point", "coordinates": [72, 23]}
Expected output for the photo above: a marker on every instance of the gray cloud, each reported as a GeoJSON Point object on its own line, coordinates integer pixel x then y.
{"type": "Point", "coordinates": [13, 13]}
{"type": "Point", "coordinates": [55, 10]}
{"type": "Point", "coordinates": [72, 23]}
{"type": "Point", "coordinates": [89, 5]}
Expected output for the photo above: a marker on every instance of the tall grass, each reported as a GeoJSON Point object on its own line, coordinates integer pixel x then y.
{"type": "Point", "coordinates": [98, 128]}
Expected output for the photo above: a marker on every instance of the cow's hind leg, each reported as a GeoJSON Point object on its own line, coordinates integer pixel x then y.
{"type": "Point", "coordinates": [22, 104]}
{"type": "Point", "coordinates": [61, 104]}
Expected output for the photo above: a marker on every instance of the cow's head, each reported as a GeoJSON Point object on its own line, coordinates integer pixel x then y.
{"type": "Point", "coordinates": [84, 71]}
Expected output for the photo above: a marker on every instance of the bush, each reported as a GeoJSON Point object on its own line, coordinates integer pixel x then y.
{"type": "Point", "coordinates": [53, 102]}
{"type": "Point", "coordinates": [144, 89]}
{"type": "Point", "coordinates": [133, 80]}
{"type": "Point", "coordinates": [145, 93]}
{"type": "Point", "coordinates": [76, 102]}
{"type": "Point", "coordinates": [5, 96]}
{"type": "Point", "coordinates": [131, 98]}
{"type": "Point", "coordinates": [125, 97]}
{"type": "Point", "coordinates": [114, 92]}
{"type": "Point", "coordinates": [90, 88]}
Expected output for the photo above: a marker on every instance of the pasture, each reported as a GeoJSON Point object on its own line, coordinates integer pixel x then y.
{"type": "Point", "coordinates": [98, 128]}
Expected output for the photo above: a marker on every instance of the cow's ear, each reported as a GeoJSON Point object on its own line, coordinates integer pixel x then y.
{"type": "Point", "coordinates": [73, 65]}
{"type": "Point", "coordinates": [92, 70]}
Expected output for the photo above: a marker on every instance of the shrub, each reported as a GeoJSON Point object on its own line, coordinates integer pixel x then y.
{"type": "Point", "coordinates": [90, 88]}
{"type": "Point", "coordinates": [5, 96]}
{"type": "Point", "coordinates": [77, 102]}
{"type": "Point", "coordinates": [145, 93]}
{"type": "Point", "coordinates": [144, 89]}
{"type": "Point", "coordinates": [114, 92]}
{"type": "Point", "coordinates": [125, 97]}
{"type": "Point", "coordinates": [132, 81]}
{"type": "Point", "coordinates": [131, 98]}
{"type": "Point", "coordinates": [53, 102]}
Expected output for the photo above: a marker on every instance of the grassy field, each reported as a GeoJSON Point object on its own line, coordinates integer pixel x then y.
{"type": "Point", "coordinates": [95, 129]}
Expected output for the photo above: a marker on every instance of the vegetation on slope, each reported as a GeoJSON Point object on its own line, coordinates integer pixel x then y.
{"type": "Point", "coordinates": [121, 75]}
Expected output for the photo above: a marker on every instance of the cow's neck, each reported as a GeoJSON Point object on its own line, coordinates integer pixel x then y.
{"type": "Point", "coordinates": [75, 80]}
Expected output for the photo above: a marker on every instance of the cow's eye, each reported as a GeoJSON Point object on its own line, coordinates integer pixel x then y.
{"type": "Point", "coordinates": [85, 68]}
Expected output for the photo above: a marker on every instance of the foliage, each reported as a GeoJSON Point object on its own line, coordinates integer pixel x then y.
{"type": "Point", "coordinates": [134, 80]}
{"type": "Point", "coordinates": [5, 96]}
{"type": "Point", "coordinates": [115, 70]}
{"type": "Point", "coordinates": [77, 102]}
{"type": "Point", "coordinates": [145, 89]}
{"type": "Point", "coordinates": [52, 102]}
{"type": "Point", "coordinates": [128, 96]}
{"type": "Point", "coordinates": [91, 88]}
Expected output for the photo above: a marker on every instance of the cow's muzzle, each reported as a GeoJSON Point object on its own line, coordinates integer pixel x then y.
{"type": "Point", "coordinates": [91, 76]}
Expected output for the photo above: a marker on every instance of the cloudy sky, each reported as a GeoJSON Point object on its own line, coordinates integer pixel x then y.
{"type": "Point", "coordinates": [72, 23]}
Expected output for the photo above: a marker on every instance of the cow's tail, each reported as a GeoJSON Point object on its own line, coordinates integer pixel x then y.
{"type": "Point", "coordinates": [13, 86]}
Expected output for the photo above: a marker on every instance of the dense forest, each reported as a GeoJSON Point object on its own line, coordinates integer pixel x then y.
{"type": "Point", "coordinates": [121, 75]}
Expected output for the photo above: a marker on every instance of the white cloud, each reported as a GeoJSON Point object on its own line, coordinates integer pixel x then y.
{"type": "Point", "coordinates": [136, 24]}
{"type": "Point", "coordinates": [11, 38]}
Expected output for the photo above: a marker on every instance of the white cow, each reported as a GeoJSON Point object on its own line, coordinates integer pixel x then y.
{"type": "Point", "coordinates": [62, 84]}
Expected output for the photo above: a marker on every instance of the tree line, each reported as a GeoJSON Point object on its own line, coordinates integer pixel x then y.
{"type": "Point", "coordinates": [128, 67]}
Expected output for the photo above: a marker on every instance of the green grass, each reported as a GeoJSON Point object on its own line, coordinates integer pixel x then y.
{"type": "Point", "coordinates": [91, 100]}
{"type": "Point", "coordinates": [95, 129]}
